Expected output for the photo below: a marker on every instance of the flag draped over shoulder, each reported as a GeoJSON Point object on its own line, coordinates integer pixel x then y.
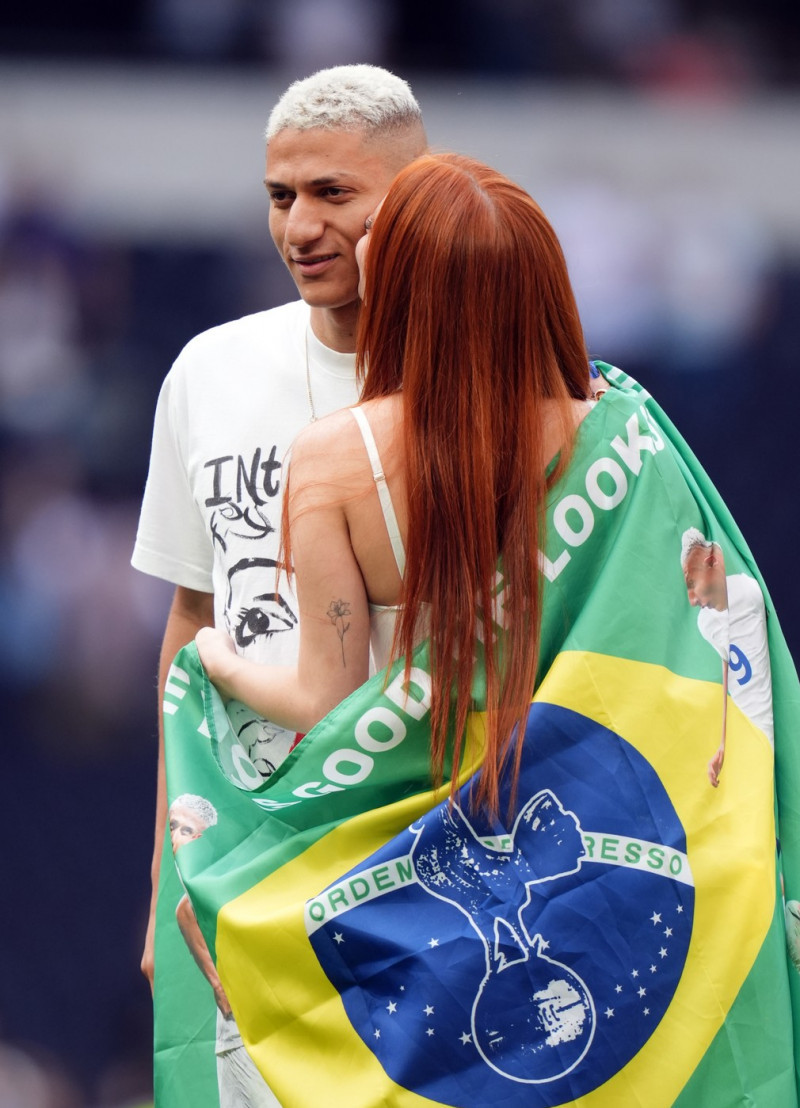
{"type": "Point", "coordinates": [626, 938]}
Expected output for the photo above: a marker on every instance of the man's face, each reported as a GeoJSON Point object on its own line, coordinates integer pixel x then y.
{"type": "Point", "coordinates": [704, 574]}
{"type": "Point", "coordinates": [322, 186]}
{"type": "Point", "coordinates": [184, 825]}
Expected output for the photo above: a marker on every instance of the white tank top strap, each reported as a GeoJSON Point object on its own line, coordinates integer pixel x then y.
{"type": "Point", "coordinates": [387, 507]}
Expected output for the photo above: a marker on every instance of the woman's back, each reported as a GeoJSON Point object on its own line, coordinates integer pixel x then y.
{"type": "Point", "coordinates": [337, 468]}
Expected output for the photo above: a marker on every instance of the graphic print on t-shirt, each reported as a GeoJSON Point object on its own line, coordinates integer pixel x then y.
{"type": "Point", "coordinates": [243, 513]}
{"type": "Point", "coordinates": [243, 509]}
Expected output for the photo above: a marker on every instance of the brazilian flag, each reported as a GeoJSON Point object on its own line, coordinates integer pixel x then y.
{"type": "Point", "coordinates": [629, 936]}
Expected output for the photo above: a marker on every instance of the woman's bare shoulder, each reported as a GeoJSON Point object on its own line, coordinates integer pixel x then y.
{"type": "Point", "coordinates": [324, 433]}
{"type": "Point", "coordinates": [339, 431]}
{"type": "Point", "coordinates": [329, 454]}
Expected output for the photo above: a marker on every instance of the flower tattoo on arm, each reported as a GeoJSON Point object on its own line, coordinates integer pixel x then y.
{"type": "Point", "coordinates": [337, 613]}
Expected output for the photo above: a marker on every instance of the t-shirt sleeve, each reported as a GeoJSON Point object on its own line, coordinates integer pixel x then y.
{"type": "Point", "coordinates": [172, 541]}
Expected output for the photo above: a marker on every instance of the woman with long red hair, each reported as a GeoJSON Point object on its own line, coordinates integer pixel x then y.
{"type": "Point", "coordinates": [592, 917]}
{"type": "Point", "coordinates": [405, 513]}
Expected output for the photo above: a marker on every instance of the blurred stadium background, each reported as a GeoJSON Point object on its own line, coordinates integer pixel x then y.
{"type": "Point", "coordinates": [661, 136]}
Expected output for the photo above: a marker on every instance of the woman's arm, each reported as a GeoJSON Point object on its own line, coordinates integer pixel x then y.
{"type": "Point", "coordinates": [334, 613]}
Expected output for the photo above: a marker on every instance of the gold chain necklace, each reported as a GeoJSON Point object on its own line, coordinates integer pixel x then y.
{"type": "Point", "coordinates": [308, 382]}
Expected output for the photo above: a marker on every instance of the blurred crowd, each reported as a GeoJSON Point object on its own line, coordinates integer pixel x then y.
{"type": "Point", "coordinates": [696, 44]}
{"type": "Point", "coordinates": [690, 295]}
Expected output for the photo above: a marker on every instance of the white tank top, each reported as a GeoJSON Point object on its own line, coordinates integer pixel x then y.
{"type": "Point", "coordinates": [382, 617]}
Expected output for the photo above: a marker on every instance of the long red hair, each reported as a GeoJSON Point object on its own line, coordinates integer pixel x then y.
{"type": "Point", "coordinates": [470, 312]}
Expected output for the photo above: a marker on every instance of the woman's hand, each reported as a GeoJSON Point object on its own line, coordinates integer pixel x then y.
{"type": "Point", "coordinates": [216, 650]}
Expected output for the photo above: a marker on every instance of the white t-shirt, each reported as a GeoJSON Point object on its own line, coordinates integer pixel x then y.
{"type": "Point", "coordinates": [235, 398]}
{"type": "Point", "coordinates": [739, 635]}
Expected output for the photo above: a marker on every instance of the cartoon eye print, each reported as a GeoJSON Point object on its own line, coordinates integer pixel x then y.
{"type": "Point", "coordinates": [267, 617]}
{"type": "Point", "coordinates": [254, 614]}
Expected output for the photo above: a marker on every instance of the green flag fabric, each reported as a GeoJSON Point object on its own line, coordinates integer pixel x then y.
{"type": "Point", "coordinates": [629, 936]}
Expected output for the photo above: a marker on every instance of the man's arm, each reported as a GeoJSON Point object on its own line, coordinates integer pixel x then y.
{"type": "Point", "coordinates": [190, 611]}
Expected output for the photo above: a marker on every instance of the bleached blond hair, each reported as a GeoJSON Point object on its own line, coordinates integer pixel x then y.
{"type": "Point", "coordinates": [202, 808]}
{"type": "Point", "coordinates": [346, 97]}
{"type": "Point", "coordinates": [691, 539]}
